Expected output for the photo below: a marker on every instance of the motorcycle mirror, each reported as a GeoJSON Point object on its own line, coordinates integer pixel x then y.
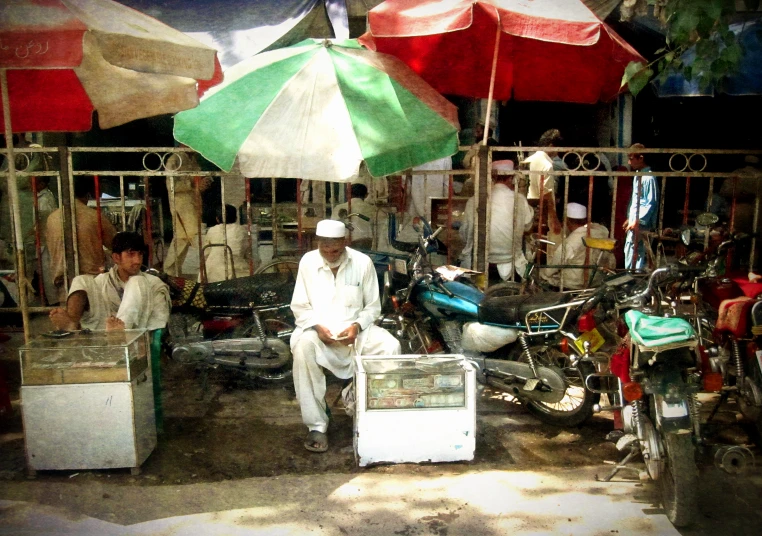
{"type": "Point", "coordinates": [707, 218]}
{"type": "Point", "coordinates": [685, 236]}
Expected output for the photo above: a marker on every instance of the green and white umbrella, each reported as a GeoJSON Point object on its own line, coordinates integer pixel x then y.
{"type": "Point", "coordinates": [316, 110]}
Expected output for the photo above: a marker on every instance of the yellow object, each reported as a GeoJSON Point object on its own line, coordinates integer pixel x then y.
{"type": "Point", "coordinates": [606, 244]}
{"type": "Point", "coordinates": [593, 337]}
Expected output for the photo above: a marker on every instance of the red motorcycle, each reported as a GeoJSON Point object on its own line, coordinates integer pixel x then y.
{"type": "Point", "coordinates": [243, 325]}
{"type": "Point", "coordinates": [729, 321]}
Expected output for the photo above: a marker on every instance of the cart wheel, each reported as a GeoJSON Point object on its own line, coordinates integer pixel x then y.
{"type": "Point", "coordinates": [135, 471]}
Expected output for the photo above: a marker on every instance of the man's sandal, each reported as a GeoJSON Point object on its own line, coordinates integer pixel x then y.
{"type": "Point", "coordinates": [316, 441]}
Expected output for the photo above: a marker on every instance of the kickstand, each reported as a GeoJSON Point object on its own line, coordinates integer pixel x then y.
{"type": "Point", "coordinates": [634, 450]}
{"type": "Point", "coordinates": [723, 398]}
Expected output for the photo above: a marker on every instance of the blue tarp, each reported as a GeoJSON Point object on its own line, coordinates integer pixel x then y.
{"type": "Point", "coordinates": [748, 80]}
{"type": "Point", "coordinates": [239, 29]}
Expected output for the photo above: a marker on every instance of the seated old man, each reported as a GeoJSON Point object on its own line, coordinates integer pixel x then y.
{"type": "Point", "coordinates": [335, 304]}
{"type": "Point", "coordinates": [122, 298]}
{"type": "Point", "coordinates": [574, 251]}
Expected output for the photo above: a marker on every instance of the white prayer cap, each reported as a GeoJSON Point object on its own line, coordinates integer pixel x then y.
{"type": "Point", "coordinates": [502, 165]}
{"type": "Point", "coordinates": [576, 211]}
{"type": "Point", "coordinates": [331, 229]}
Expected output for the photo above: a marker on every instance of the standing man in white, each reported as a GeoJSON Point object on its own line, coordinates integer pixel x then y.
{"type": "Point", "coordinates": [335, 303]}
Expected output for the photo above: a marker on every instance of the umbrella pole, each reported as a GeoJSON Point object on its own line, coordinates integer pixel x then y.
{"type": "Point", "coordinates": [492, 84]}
{"type": "Point", "coordinates": [13, 191]}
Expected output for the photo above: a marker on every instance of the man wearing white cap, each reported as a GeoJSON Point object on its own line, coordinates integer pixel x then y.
{"type": "Point", "coordinates": [335, 304]}
{"type": "Point", "coordinates": [574, 250]}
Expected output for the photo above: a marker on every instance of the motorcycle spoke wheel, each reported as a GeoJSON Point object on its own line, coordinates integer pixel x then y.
{"type": "Point", "coordinates": [679, 479]}
{"type": "Point", "coordinates": [577, 404]}
{"type": "Point", "coordinates": [749, 403]}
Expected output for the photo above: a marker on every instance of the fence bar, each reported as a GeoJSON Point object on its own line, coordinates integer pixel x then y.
{"type": "Point", "coordinates": [37, 242]}
{"type": "Point", "coordinates": [121, 204]}
{"type": "Point", "coordinates": [201, 259]}
{"type": "Point", "coordinates": [247, 189]}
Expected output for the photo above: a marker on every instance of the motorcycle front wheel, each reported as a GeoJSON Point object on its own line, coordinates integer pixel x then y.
{"type": "Point", "coordinates": [577, 404]}
{"type": "Point", "coordinates": [679, 478]}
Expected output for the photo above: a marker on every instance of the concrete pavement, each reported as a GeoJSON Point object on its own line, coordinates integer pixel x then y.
{"type": "Point", "coordinates": [478, 503]}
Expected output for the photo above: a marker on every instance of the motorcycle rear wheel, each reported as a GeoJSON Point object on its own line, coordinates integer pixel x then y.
{"type": "Point", "coordinates": [749, 409]}
{"type": "Point", "coordinates": [577, 405]}
{"type": "Point", "coordinates": [679, 478]}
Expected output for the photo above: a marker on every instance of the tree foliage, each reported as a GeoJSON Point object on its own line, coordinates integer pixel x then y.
{"type": "Point", "coordinates": [701, 24]}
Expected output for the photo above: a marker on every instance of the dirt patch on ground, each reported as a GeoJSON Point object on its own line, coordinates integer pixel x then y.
{"type": "Point", "coordinates": [235, 429]}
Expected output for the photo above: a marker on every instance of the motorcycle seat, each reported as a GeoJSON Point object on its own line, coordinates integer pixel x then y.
{"type": "Point", "coordinates": [260, 289]}
{"type": "Point", "coordinates": [512, 310]}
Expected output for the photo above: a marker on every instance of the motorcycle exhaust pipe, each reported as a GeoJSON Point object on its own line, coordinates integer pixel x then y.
{"type": "Point", "coordinates": [518, 379]}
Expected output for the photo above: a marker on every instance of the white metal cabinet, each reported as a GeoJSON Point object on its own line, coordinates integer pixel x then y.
{"type": "Point", "coordinates": [100, 425]}
{"type": "Point", "coordinates": [414, 409]}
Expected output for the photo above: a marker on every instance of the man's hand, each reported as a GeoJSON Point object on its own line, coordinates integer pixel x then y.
{"type": "Point", "coordinates": [346, 337]}
{"type": "Point", "coordinates": [349, 335]}
{"type": "Point", "coordinates": [324, 334]}
{"type": "Point", "coordinates": [61, 320]}
{"type": "Point", "coordinates": [627, 226]}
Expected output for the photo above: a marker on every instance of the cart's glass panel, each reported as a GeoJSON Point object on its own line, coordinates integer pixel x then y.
{"type": "Point", "coordinates": [84, 357]}
{"type": "Point", "coordinates": [427, 382]}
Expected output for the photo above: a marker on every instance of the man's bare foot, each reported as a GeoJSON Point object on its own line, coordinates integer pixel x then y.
{"type": "Point", "coordinates": [114, 324]}
{"type": "Point", "coordinates": [60, 318]}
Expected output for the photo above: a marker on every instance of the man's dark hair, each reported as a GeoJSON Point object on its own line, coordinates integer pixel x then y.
{"type": "Point", "coordinates": [230, 216]}
{"type": "Point", "coordinates": [359, 190]}
{"type": "Point", "coordinates": [84, 186]}
{"type": "Point", "coordinates": [550, 138]}
{"type": "Point", "coordinates": [128, 241]}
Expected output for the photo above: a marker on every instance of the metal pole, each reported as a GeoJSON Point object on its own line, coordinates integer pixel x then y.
{"type": "Point", "coordinates": [98, 212]}
{"type": "Point", "coordinates": [121, 203]}
{"type": "Point", "coordinates": [247, 187]}
{"type": "Point", "coordinates": [449, 218]}
{"type": "Point", "coordinates": [14, 195]}
{"type": "Point", "coordinates": [225, 229]}
{"type": "Point", "coordinates": [492, 82]}
{"type": "Point", "coordinates": [38, 241]}
{"type": "Point", "coordinates": [201, 260]}
{"type": "Point", "coordinates": [148, 227]}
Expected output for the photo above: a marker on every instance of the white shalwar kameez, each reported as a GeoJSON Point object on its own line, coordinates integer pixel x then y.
{"type": "Point", "coordinates": [336, 302]}
{"type": "Point", "coordinates": [141, 302]}
{"type": "Point", "coordinates": [506, 230]}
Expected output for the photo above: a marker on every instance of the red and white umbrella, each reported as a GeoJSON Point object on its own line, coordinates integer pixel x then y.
{"type": "Point", "coordinates": [538, 50]}
{"type": "Point", "coordinates": [62, 59]}
{"type": "Point", "coordinates": [66, 58]}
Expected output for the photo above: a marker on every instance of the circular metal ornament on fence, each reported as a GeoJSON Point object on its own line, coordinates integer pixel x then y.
{"type": "Point", "coordinates": [157, 155]}
{"type": "Point", "coordinates": [572, 157]}
{"type": "Point", "coordinates": [673, 162]}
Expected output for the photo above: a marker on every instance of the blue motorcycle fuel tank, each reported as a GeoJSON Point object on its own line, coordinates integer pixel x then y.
{"type": "Point", "coordinates": [464, 303]}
